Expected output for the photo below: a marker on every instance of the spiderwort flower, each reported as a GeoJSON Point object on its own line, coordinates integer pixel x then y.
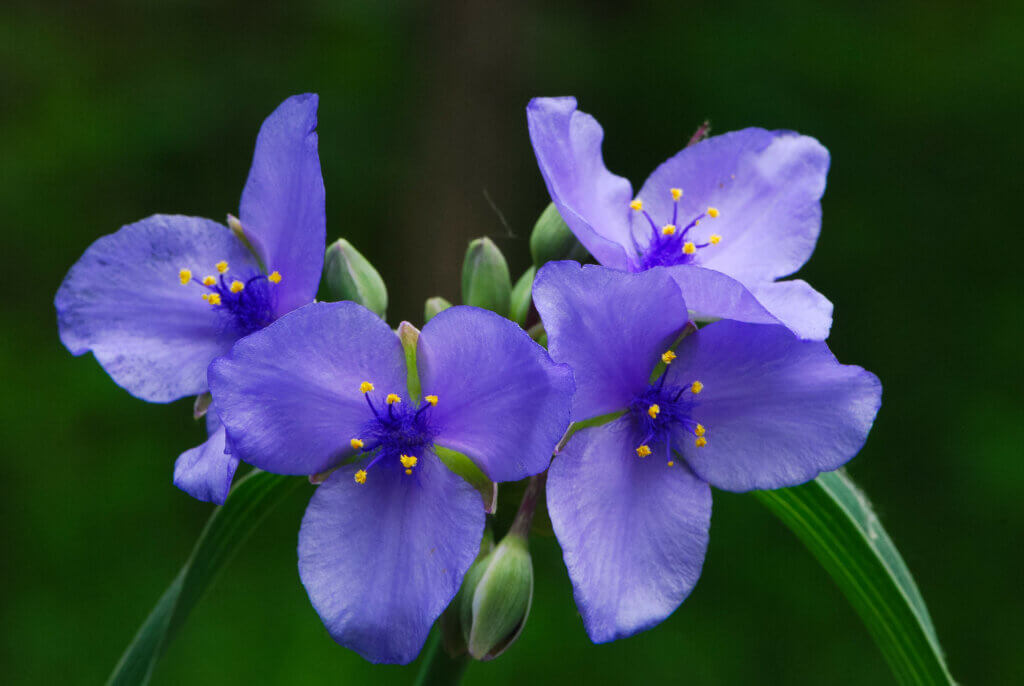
{"type": "Point", "coordinates": [740, 406]}
{"type": "Point", "coordinates": [157, 301]}
{"type": "Point", "coordinates": [390, 533]}
{"type": "Point", "coordinates": [745, 204]}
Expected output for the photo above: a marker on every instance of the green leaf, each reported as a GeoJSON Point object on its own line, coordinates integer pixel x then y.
{"type": "Point", "coordinates": [249, 502]}
{"type": "Point", "coordinates": [835, 521]}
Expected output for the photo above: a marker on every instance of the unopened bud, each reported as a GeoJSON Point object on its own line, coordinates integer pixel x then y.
{"type": "Point", "coordinates": [552, 240]}
{"type": "Point", "coordinates": [433, 307]}
{"type": "Point", "coordinates": [522, 294]}
{"type": "Point", "coordinates": [486, 282]}
{"type": "Point", "coordinates": [496, 598]}
{"type": "Point", "coordinates": [350, 276]}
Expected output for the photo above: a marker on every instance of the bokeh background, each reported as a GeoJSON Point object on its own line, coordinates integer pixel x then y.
{"type": "Point", "coordinates": [111, 111]}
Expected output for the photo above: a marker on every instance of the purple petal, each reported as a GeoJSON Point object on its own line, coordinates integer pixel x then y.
{"type": "Point", "coordinates": [206, 471]}
{"type": "Point", "coordinates": [123, 300]}
{"type": "Point", "coordinates": [610, 326]}
{"type": "Point", "coordinates": [778, 411]}
{"type": "Point", "coordinates": [289, 394]}
{"type": "Point", "coordinates": [714, 295]}
{"type": "Point", "coordinates": [282, 208]}
{"type": "Point", "coordinates": [633, 531]}
{"type": "Point", "coordinates": [381, 560]}
{"type": "Point", "coordinates": [592, 201]}
{"type": "Point", "coordinates": [805, 311]}
{"type": "Point", "coordinates": [502, 401]}
{"type": "Point", "coordinates": [767, 186]}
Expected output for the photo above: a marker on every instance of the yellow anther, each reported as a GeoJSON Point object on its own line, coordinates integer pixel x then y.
{"type": "Point", "coordinates": [356, 444]}
{"type": "Point", "coordinates": [699, 431]}
{"type": "Point", "coordinates": [671, 463]}
{"type": "Point", "coordinates": [643, 451]}
{"type": "Point", "coordinates": [432, 399]}
{"type": "Point", "coordinates": [668, 356]}
{"type": "Point", "coordinates": [237, 286]}
{"type": "Point", "coordinates": [392, 399]}
{"type": "Point", "coordinates": [214, 299]}
{"type": "Point", "coordinates": [408, 471]}
{"type": "Point", "coordinates": [408, 461]}
{"type": "Point", "coordinates": [689, 248]}
{"type": "Point", "coordinates": [715, 239]}
{"type": "Point", "coordinates": [209, 280]}
{"type": "Point", "coordinates": [653, 410]}
{"type": "Point", "coordinates": [222, 266]}
{"type": "Point", "coordinates": [205, 296]}
{"type": "Point", "coordinates": [637, 205]}
{"type": "Point", "coordinates": [275, 277]}
{"type": "Point", "coordinates": [677, 193]}
{"type": "Point", "coordinates": [185, 275]}
{"type": "Point", "coordinates": [668, 229]}
{"type": "Point", "coordinates": [696, 387]}
{"type": "Point", "coordinates": [365, 387]}
{"type": "Point", "coordinates": [360, 476]}
{"type": "Point", "coordinates": [700, 442]}
{"type": "Point", "coordinates": [712, 212]}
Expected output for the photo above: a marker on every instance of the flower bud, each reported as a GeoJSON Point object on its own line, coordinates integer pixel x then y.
{"type": "Point", "coordinates": [433, 307]}
{"type": "Point", "coordinates": [350, 276]}
{"type": "Point", "coordinates": [552, 240]}
{"type": "Point", "coordinates": [522, 296]}
{"type": "Point", "coordinates": [496, 597]}
{"type": "Point", "coordinates": [486, 282]}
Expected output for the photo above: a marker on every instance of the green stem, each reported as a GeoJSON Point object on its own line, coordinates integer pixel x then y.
{"type": "Point", "coordinates": [438, 668]}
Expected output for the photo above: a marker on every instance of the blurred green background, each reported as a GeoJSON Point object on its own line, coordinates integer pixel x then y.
{"type": "Point", "coordinates": [110, 112]}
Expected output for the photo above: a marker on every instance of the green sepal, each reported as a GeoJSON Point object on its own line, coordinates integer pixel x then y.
{"type": "Point", "coordinates": [486, 281]}
{"type": "Point", "coordinates": [522, 297]}
{"type": "Point", "coordinates": [350, 276]}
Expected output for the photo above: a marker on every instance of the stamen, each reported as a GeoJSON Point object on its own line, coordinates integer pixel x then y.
{"type": "Point", "coordinates": [715, 239]}
{"type": "Point", "coordinates": [432, 399]}
{"type": "Point", "coordinates": [699, 430]}
{"type": "Point", "coordinates": [209, 280]}
{"type": "Point", "coordinates": [677, 193]}
{"type": "Point", "coordinates": [696, 387]}
{"type": "Point", "coordinates": [653, 411]}
{"type": "Point", "coordinates": [643, 451]}
{"type": "Point", "coordinates": [360, 476]}
{"type": "Point", "coordinates": [712, 212]}
{"type": "Point", "coordinates": [222, 266]}
{"type": "Point", "coordinates": [668, 356]}
{"type": "Point", "coordinates": [237, 286]}
{"type": "Point", "coordinates": [185, 275]}
{"type": "Point", "coordinates": [392, 399]}
{"type": "Point", "coordinates": [356, 444]}
{"type": "Point", "coordinates": [668, 230]}
{"type": "Point", "coordinates": [671, 463]}
{"type": "Point", "coordinates": [275, 277]}
{"type": "Point", "coordinates": [212, 298]}
{"type": "Point", "coordinates": [689, 248]}
{"type": "Point", "coordinates": [365, 387]}
{"type": "Point", "coordinates": [700, 442]}
{"type": "Point", "coordinates": [636, 205]}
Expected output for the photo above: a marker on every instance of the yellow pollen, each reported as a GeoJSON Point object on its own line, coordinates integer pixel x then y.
{"type": "Point", "coordinates": [671, 463]}
{"type": "Point", "coordinates": [689, 248]}
{"type": "Point", "coordinates": [365, 387]}
{"type": "Point", "coordinates": [237, 286]}
{"type": "Point", "coordinates": [408, 461]}
{"type": "Point", "coordinates": [637, 205]}
{"type": "Point", "coordinates": [699, 431]}
{"type": "Point", "coordinates": [432, 399]}
{"type": "Point", "coordinates": [392, 399]}
{"type": "Point", "coordinates": [643, 451]}
{"type": "Point", "coordinates": [205, 296]}
{"type": "Point", "coordinates": [360, 476]}
{"type": "Point", "coordinates": [677, 193]}
{"type": "Point", "coordinates": [185, 275]}
{"type": "Point", "coordinates": [408, 471]}
{"type": "Point", "coordinates": [696, 387]}
{"type": "Point", "coordinates": [668, 229]}
{"type": "Point", "coordinates": [356, 444]}
{"type": "Point", "coordinates": [275, 277]}
{"type": "Point", "coordinates": [222, 266]}
{"type": "Point", "coordinates": [715, 239]}
{"type": "Point", "coordinates": [653, 410]}
{"type": "Point", "coordinates": [712, 212]}
{"type": "Point", "coordinates": [701, 442]}
{"type": "Point", "coordinates": [668, 356]}
{"type": "Point", "coordinates": [214, 299]}
{"type": "Point", "coordinates": [209, 280]}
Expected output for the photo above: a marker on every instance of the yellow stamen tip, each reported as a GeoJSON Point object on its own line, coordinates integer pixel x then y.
{"type": "Point", "coordinates": [205, 296]}
{"type": "Point", "coordinates": [408, 471]}
{"type": "Point", "coordinates": [653, 410]}
{"type": "Point", "coordinates": [209, 280]}
{"type": "Point", "coordinates": [185, 275]}
{"type": "Point", "coordinates": [222, 266]}
{"type": "Point", "coordinates": [668, 229]}
{"type": "Point", "coordinates": [365, 387]}
{"type": "Point", "coordinates": [643, 451]}
{"type": "Point", "coordinates": [214, 299]}
{"type": "Point", "coordinates": [700, 430]}
{"type": "Point", "coordinates": [677, 193]}
{"type": "Point", "coordinates": [689, 248]}
{"type": "Point", "coordinates": [636, 205]}
{"type": "Point", "coordinates": [715, 239]}
{"type": "Point", "coordinates": [408, 461]}
{"type": "Point", "coordinates": [668, 356]}
{"type": "Point", "coordinates": [671, 463]}
{"type": "Point", "coordinates": [701, 442]}
{"type": "Point", "coordinates": [432, 399]}
{"type": "Point", "coordinates": [275, 277]}
{"type": "Point", "coordinates": [237, 286]}
{"type": "Point", "coordinates": [360, 476]}
{"type": "Point", "coordinates": [696, 387]}
{"type": "Point", "coordinates": [392, 399]}
{"type": "Point", "coordinates": [356, 444]}
{"type": "Point", "coordinates": [712, 212]}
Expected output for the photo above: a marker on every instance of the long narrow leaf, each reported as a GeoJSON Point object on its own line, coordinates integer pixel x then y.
{"type": "Point", "coordinates": [227, 529]}
{"type": "Point", "coordinates": [835, 521]}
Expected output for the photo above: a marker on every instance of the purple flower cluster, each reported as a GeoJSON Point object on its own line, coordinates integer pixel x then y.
{"type": "Point", "coordinates": [680, 364]}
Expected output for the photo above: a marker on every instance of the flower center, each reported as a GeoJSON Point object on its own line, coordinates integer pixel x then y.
{"type": "Point", "coordinates": [669, 244]}
{"type": "Point", "coordinates": [247, 300]}
{"type": "Point", "coordinates": [397, 434]}
{"type": "Point", "coordinates": [660, 411]}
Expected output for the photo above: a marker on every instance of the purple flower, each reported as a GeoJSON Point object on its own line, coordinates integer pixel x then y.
{"type": "Point", "coordinates": [157, 301]}
{"type": "Point", "coordinates": [389, 535]}
{"type": "Point", "coordinates": [745, 204]}
{"type": "Point", "coordinates": [740, 406]}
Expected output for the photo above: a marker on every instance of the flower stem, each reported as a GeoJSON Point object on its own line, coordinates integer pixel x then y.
{"type": "Point", "coordinates": [524, 517]}
{"type": "Point", "coordinates": [438, 668]}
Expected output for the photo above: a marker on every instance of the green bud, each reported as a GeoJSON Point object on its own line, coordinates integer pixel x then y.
{"type": "Point", "coordinates": [496, 598]}
{"type": "Point", "coordinates": [350, 276]}
{"type": "Point", "coordinates": [522, 296]}
{"type": "Point", "coordinates": [433, 307]}
{"type": "Point", "coordinates": [552, 240]}
{"type": "Point", "coordinates": [486, 282]}
{"type": "Point", "coordinates": [451, 619]}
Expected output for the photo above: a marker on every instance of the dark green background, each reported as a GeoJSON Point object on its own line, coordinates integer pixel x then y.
{"type": "Point", "coordinates": [110, 112]}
